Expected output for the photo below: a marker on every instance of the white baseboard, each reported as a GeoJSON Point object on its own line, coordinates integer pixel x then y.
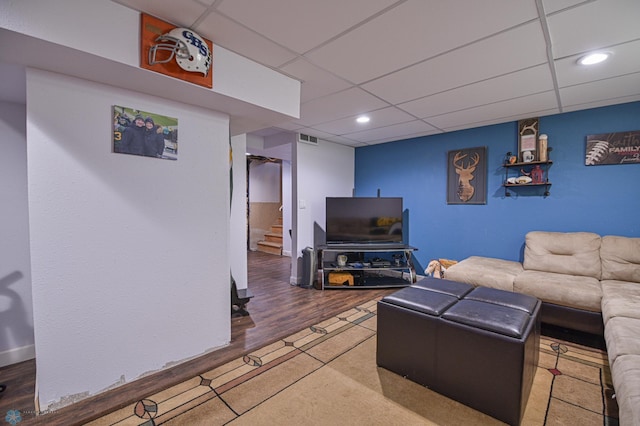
{"type": "Point", "coordinates": [14, 356]}
{"type": "Point", "coordinates": [286, 253]}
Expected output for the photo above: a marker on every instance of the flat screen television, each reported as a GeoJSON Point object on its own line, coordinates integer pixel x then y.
{"type": "Point", "coordinates": [363, 220]}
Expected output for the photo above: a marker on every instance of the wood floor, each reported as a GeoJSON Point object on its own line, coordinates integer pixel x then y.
{"type": "Point", "coordinates": [277, 310]}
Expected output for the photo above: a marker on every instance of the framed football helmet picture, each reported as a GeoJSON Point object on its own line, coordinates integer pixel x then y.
{"type": "Point", "coordinates": [175, 51]}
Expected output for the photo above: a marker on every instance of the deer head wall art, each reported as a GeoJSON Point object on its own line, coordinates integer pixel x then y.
{"type": "Point", "coordinates": [466, 176]}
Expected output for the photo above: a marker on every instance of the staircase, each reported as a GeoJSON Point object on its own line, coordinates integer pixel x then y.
{"type": "Point", "coordinates": [273, 240]}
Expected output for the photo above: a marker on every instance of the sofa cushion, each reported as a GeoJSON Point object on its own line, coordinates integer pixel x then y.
{"type": "Point", "coordinates": [620, 258]}
{"type": "Point", "coordinates": [572, 253]}
{"type": "Point", "coordinates": [626, 382]}
{"type": "Point", "coordinates": [485, 271]}
{"type": "Point", "coordinates": [561, 289]}
{"type": "Point", "coordinates": [621, 335]}
{"type": "Point", "coordinates": [620, 299]}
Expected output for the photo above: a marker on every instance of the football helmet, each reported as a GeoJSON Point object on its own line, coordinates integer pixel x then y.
{"type": "Point", "coordinates": [188, 48]}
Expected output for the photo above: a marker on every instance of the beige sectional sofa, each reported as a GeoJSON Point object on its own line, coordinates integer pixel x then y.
{"type": "Point", "coordinates": [587, 283]}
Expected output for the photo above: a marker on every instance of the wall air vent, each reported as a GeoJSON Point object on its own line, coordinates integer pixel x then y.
{"type": "Point", "coordinates": [311, 140]}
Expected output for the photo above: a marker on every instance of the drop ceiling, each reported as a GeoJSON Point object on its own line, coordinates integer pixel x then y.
{"type": "Point", "coordinates": [422, 67]}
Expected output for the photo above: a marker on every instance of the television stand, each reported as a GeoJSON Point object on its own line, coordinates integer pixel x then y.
{"type": "Point", "coordinates": [368, 266]}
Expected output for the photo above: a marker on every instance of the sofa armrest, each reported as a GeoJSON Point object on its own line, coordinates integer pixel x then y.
{"type": "Point", "coordinates": [485, 272]}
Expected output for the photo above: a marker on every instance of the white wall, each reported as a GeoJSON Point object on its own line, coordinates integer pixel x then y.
{"type": "Point", "coordinates": [320, 171]}
{"type": "Point", "coordinates": [16, 310]}
{"type": "Point", "coordinates": [129, 254]}
{"type": "Point", "coordinates": [79, 18]}
{"type": "Point", "coordinates": [286, 207]}
{"type": "Point", "coordinates": [244, 79]}
{"type": "Point", "coordinates": [264, 182]}
{"type": "Point", "coordinates": [238, 226]}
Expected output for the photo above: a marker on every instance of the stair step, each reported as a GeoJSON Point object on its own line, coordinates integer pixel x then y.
{"type": "Point", "coordinates": [270, 244]}
{"type": "Point", "coordinates": [270, 247]}
{"type": "Point", "coordinates": [273, 238]}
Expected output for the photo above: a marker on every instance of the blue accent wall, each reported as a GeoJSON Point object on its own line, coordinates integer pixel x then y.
{"type": "Point", "coordinates": [604, 199]}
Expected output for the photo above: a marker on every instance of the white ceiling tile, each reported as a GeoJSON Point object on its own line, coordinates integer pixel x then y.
{"type": "Point", "coordinates": [609, 89]}
{"type": "Point", "coordinates": [517, 84]}
{"type": "Point", "coordinates": [234, 37]}
{"type": "Point", "coordinates": [403, 137]}
{"type": "Point", "coordinates": [501, 54]}
{"type": "Point", "coordinates": [301, 25]}
{"type": "Point", "coordinates": [421, 30]}
{"type": "Point", "coordinates": [602, 103]}
{"type": "Point", "coordinates": [291, 126]}
{"type": "Point", "coordinates": [581, 29]}
{"type": "Point", "coordinates": [354, 144]}
{"type": "Point", "coordinates": [625, 59]}
{"type": "Point", "coordinates": [551, 6]}
{"type": "Point", "coordinates": [348, 142]}
{"type": "Point", "coordinates": [316, 82]}
{"type": "Point", "coordinates": [343, 104]}
{"type": "Point", "coordinates": [514, 117]}
{"type": "Point", "coordinates": [528, 105]}
{"type": "Point", "coordinates": [379, 118]}
{"type": "Point", "coordinates": [399, 131]}
{"type": "Point", "coordinates": [184, 16]}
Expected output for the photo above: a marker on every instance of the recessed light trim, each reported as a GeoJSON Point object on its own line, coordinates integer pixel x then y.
{"type": "Point", "coordinates": [363, 119]}
{"type": "Point", "coordinates": [594, 58]}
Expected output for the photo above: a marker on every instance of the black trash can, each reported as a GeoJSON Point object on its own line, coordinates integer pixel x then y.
{"type": "Point", "coordinates": [309, 268]}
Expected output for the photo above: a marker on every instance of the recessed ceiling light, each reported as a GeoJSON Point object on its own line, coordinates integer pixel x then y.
{"type": "Point", "coordinates": [594, 58]}
{"type": "Point", "coordinates": [363, 119]}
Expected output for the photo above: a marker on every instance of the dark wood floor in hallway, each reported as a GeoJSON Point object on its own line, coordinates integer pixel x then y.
{"type": "Point", "coordinates": [277, 310]}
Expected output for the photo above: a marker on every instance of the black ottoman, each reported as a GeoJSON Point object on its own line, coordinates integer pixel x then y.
{"type": "Point", "coordinates": [407, 330]}
{"type": "Point", "coordinates": [452, 288]}
{"type": "Point", "coordinates": [481, 350]}
{"type": "Point", "coordinates": [488, 352]}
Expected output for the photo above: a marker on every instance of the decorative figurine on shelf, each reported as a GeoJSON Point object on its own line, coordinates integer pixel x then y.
{"type": "Point", "coordinates": [537, 174]}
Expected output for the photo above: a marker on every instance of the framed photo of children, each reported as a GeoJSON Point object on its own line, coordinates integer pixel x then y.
{"type": "Point", "coordinates": [467, 176]}
{"type": "Point", "coordinates": [144, 133]}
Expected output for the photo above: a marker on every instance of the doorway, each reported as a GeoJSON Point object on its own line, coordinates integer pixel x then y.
{"type": "Point", "coordinates": [265, 205]}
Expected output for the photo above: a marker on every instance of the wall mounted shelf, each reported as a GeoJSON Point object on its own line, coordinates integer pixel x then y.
{"type": "Point", "coordinates": [519, 169]}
